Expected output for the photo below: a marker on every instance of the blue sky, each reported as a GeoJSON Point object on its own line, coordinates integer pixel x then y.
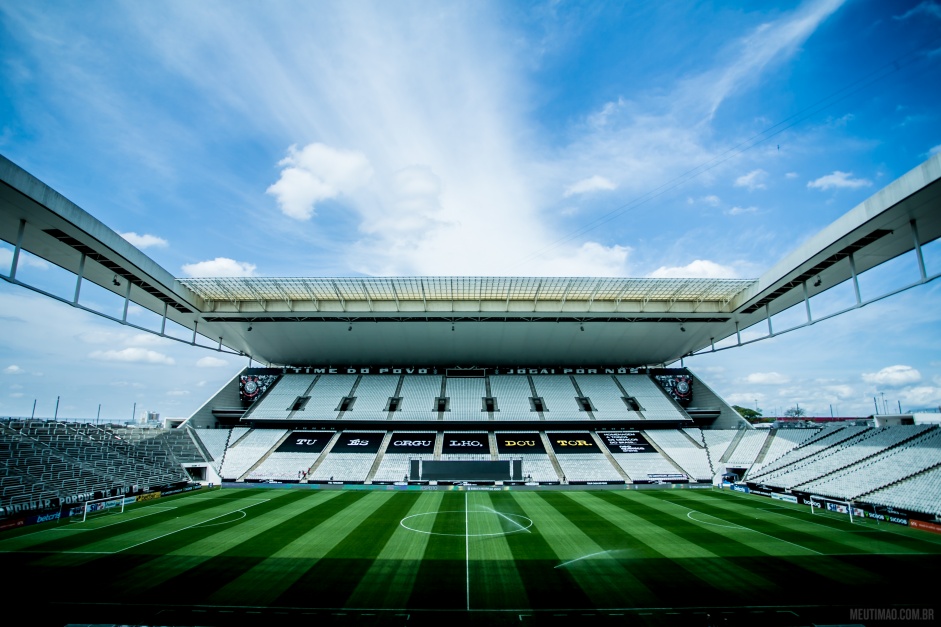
{"type": "Point", "coordinates": [470, 138]}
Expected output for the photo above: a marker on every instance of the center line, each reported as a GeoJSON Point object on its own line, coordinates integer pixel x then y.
{"type": "Point", "coordinates": [467, 551]}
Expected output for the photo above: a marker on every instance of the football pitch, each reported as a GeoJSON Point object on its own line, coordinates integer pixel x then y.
{"type": "Point", "coordinates": [511, 556]}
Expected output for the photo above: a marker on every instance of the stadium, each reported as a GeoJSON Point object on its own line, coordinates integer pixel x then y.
{"type": "Point", "coordinates": [410, 450]}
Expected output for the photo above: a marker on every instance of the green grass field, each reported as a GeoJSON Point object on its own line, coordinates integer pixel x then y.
{"type": "Point", "coordinates": [508, 553]}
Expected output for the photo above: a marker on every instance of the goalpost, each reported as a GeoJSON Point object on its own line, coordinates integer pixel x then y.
{"type": "Point", "coordinates": [835, 507]}
{"type": "Point", "coordinates": [99, 507]}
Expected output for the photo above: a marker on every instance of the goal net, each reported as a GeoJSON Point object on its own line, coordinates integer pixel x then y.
{"type": "Point", "coordinates": [838, 509]}
{"type": "Point", "coordinates": [100, 507]}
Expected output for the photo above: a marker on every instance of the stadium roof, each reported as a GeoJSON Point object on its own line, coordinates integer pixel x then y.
{"type": "Point", "coordinates": [466, 320]}
{"type": "Point", "coordinates": [333, 292]}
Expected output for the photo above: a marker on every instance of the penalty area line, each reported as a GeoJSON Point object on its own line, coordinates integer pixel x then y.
{"type": "Point", "coordinates": [186, 527]}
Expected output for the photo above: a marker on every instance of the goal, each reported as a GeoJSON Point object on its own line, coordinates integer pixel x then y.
{"type": "Point", "coordinates": [99, 507]}
{"type": "Point", "coordinates": [837, 508]}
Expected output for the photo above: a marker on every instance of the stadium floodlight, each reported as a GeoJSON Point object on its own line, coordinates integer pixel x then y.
{"type": "Point", "coordinates": [114, 280]}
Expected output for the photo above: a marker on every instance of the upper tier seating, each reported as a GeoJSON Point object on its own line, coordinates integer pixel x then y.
{"type": "Point", "coordinates": [372, 397]}
{"type": "Point", "coordinates": [654, 403]}
{"type": "Point", "coordinates": [278, 400]}
{"type": "Point", "coordinates": [512, 394]}
{"type": "Point", "coordinates": [418, 394]}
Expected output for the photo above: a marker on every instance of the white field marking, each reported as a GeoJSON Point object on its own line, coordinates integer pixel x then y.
{"type": "Point", "coordinates": [182, 529]}
{"type": "Point", "coordinates": [461, 535]}
{"type": "Point", "coordinates": [689, 515]}
{"type": "Point", "coordinates": [768, 535]}
{"type": "Point", "coordinates": [229, 522]}
{"type": "Point", "coordinates": [583, 557]}
{"type": "Point", "coordinates": [467, 550]}
{"type": "Point", "coordinates": [883, 528]}
{"type": "Point", "coordinates": [507, 518]}
{"type": "Point", "coordinates": [73, 527]}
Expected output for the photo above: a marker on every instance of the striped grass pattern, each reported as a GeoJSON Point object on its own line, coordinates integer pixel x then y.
{"type": "Point", "coordinates": [457, 550]}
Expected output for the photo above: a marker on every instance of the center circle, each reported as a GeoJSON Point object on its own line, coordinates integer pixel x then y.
{"type": "Point", "coordinates": [461, 519]}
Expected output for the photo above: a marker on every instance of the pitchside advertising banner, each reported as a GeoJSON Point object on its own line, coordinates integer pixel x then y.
{"type": "Point", "coordinates": [577, 442]}
{"type": "Point", "coordinates": [458, 443]}
{"type": "Point", "coordinates": [412, 443]}
{"type": "Point", "coordinates": [305, 442]}
{"type": "Point", "coordinates": [626, 442]}
{"type": "Point", "coordinates": [519, 443]}
{"type": "Point", "coordinates": [352, 442]}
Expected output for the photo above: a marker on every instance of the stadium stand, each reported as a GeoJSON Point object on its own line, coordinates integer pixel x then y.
{"type": "Point", "coordinates": [215, 441]}
{"type": "Point", "coordinates": [607, 400]}
{"type": "Point", "coordinates": [747, 449]}
{"type": "Point", "coordinates": [418, 394]}
{"type": "Point", "coordinates": [896, 464]}
{"type": "Point", "coordinates": [683, 451]}
{"type": "Point", "coordinates": [842, 455]}
{"type": "Point", "coordinates": [823, 440]}
{"type": "Point", "coordinates": [372, 397]}
{"type": "Point", "coordinates": [277, 402]}
{"type": "Point", "coordinates": [512, 394]}
{"type": "Point", "coordinates": [920, 493]}
{"type": "Point", "coordinates": [558, 395]}
{"type": "Point", "coordinates": [326, 396]}
{"type": "Point", "coordinates": [654, 403]}
{"type": "Point", "coordinates": [248, 451]}
{"type": "Point", "coordinates": [465, 398]}
{"type": "Point", "coordinates": [44, 459]}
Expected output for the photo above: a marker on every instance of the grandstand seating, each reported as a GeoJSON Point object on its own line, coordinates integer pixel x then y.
{"type": "Point", "coordinates": [512, 394]}
{"type": "Point", "coordinates": [372, 397]}
{"type": "Point", "coordinates": [215, 441]}
{"type": "Point", "coordinates": [326, 395]}
{"type": "Point", "coordinates": [920, 493]}
{"type": "Point", "coordinates": [558, 396]}
{"type": "Point", "coordinates": [248, 450]}
{"type": "Point", "coordinates": [418, 394]}
{"type": "Point", "coordinates": [744, 454]}
{"type": "Point", "coordinates": [885, 468]}
{"type": "Point", "coordinates": [344, 467]}
{"type": "Point", "coordinates": [465, 398]}
{"type": "Point", "coordinates": [842, 455]}
{"type": "Point", "coordinates": [606, 398]}
{"type": "Point", "coordinates": [394, 466]}
{"type": "Point", "coordinates": [44, 459]}
{"type": "Point", "coordinates": [588, 467]}
{"type": "Point", "coordinates": [654, 403]}
{"type": "Point", "coordinates": [692, 459]}
{"type": "Point", "coordinates": [277, 401]}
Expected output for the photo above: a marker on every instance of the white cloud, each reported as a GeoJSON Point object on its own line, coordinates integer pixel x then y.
{"type": "Point", "coordinates": [712, 200]}
{"type": "Point", "coordinates": [144, 241]}
{"type": "Point", "coordinates": [219, 267]}
{"type": "Point", "coordinates": [933, 151]}
{"type": "Point", "coordinates": [838, 180]}
{"type": "Point", "coordinates": [6, 260]}
{"type": "Point", "coordinates": [753, 180]}
{"type": "Point", "coordinates": [791, 175]}
{"type": "Point", "coordinates": [590, 259]}
{"type": "Point", "coordinates": [592, 184]}
{"type": "Point", "coordinates": [767, 378]}
{"type": "Point", "coordinates": [178, 393]}
{"type": "Point", "coordinates": [921, 396]}
{"type": "Point", "coordinates": [700, 268]}
{"type": "Point", "coordinates": [13, 369]}
{"type": "Point", "coordinates": [927, 8]}
{"type": "Point", "coordinates": [893, 376]}
{"type": "Point", "coordinates": [211, 362]}
{"type": "Point", "coordinates": [316, 173]}
{"type": "Point", "coordinates": [133, 355]}
{"type": "Point", "coordinates": [737, 211]}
